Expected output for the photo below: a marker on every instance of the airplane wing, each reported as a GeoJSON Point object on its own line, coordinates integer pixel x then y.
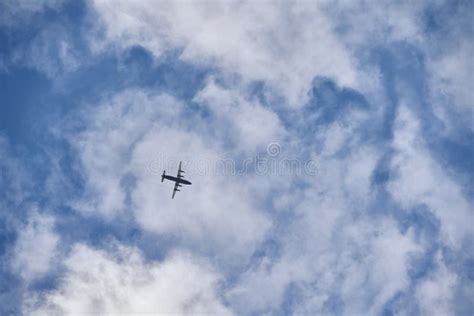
{"type": "Point", "coordinates": [176, 184]}
{"type": "Point", "coordinates": [180, 171]}
{"type": "Point", "coordinates": [175, 189]}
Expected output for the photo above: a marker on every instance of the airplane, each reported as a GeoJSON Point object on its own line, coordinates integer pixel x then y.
{"type": "Point", "coordinates": [178, 180]}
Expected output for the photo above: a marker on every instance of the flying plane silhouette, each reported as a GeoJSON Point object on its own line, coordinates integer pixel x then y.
{"type": "Point", "coordinates": [178, 180]}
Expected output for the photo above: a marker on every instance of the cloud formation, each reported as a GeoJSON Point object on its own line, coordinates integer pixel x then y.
{"type": "Point", "coordinates": [367, 93]}
{"type": "Point", "coordinates": [282, 44]}
{"type": "Point", "coordinates": [96, 282]}
{"type": "Point", "coordinates": [35, 248]}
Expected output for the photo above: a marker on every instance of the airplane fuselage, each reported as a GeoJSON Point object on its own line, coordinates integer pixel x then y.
{"type": "Point", "coordinates": [176, 179]}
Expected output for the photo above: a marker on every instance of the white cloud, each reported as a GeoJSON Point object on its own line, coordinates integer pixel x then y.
{"type": "Point", "coordinates": [50, 52]}
{"type": "Point", "coordinates": [452, 74]}
{"type": "Point", "coordinates": [48, 48]}
{"type": "Point", "coordinates": [285, 45]}
{"type": "Point", "coordinates": [13, 13]}
{"type": "Point", "coordinates": [215, 212]}
{"type": "Point", "coordinates": [382, 271]}
{"type": "Point", "coordinates": [333, 245]}
{"type": "Point", "coordinates": [104, 147]}
{"type": "Point", "coordinates": [454, 71]}
{"type": "Point", "coordinates": [138, 134]}
{"type": "Point", "coordinates": [326, 246]}
{"type": "Point", "coordinates": [422, 181]}
{"type": "Point", "coordinates": [325, 257]}
{"type": "Point", "coordinates": [36, 247]}
{"type": "Point", "coordinates": [121, 282]}
{"type": "Point", "coordinates": [435, 294]}
{"type": "Point", "coordinates": [446, 48]}
{"type": "Point", "coordinates": [253, 126]}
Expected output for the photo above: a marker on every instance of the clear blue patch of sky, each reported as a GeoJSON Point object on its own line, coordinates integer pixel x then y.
{"type": "Point", "coordinates": [10, 292]}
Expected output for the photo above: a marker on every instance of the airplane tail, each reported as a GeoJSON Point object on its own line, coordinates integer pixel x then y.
{"type": "Point", "coordinates": [163, 175]}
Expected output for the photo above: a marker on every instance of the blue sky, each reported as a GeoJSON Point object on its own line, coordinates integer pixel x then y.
{"type": "Point", "coordinates": [330, 146]}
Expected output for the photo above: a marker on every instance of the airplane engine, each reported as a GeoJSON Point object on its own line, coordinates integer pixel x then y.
{"type": "Point", "coordinates": [163, 175]}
